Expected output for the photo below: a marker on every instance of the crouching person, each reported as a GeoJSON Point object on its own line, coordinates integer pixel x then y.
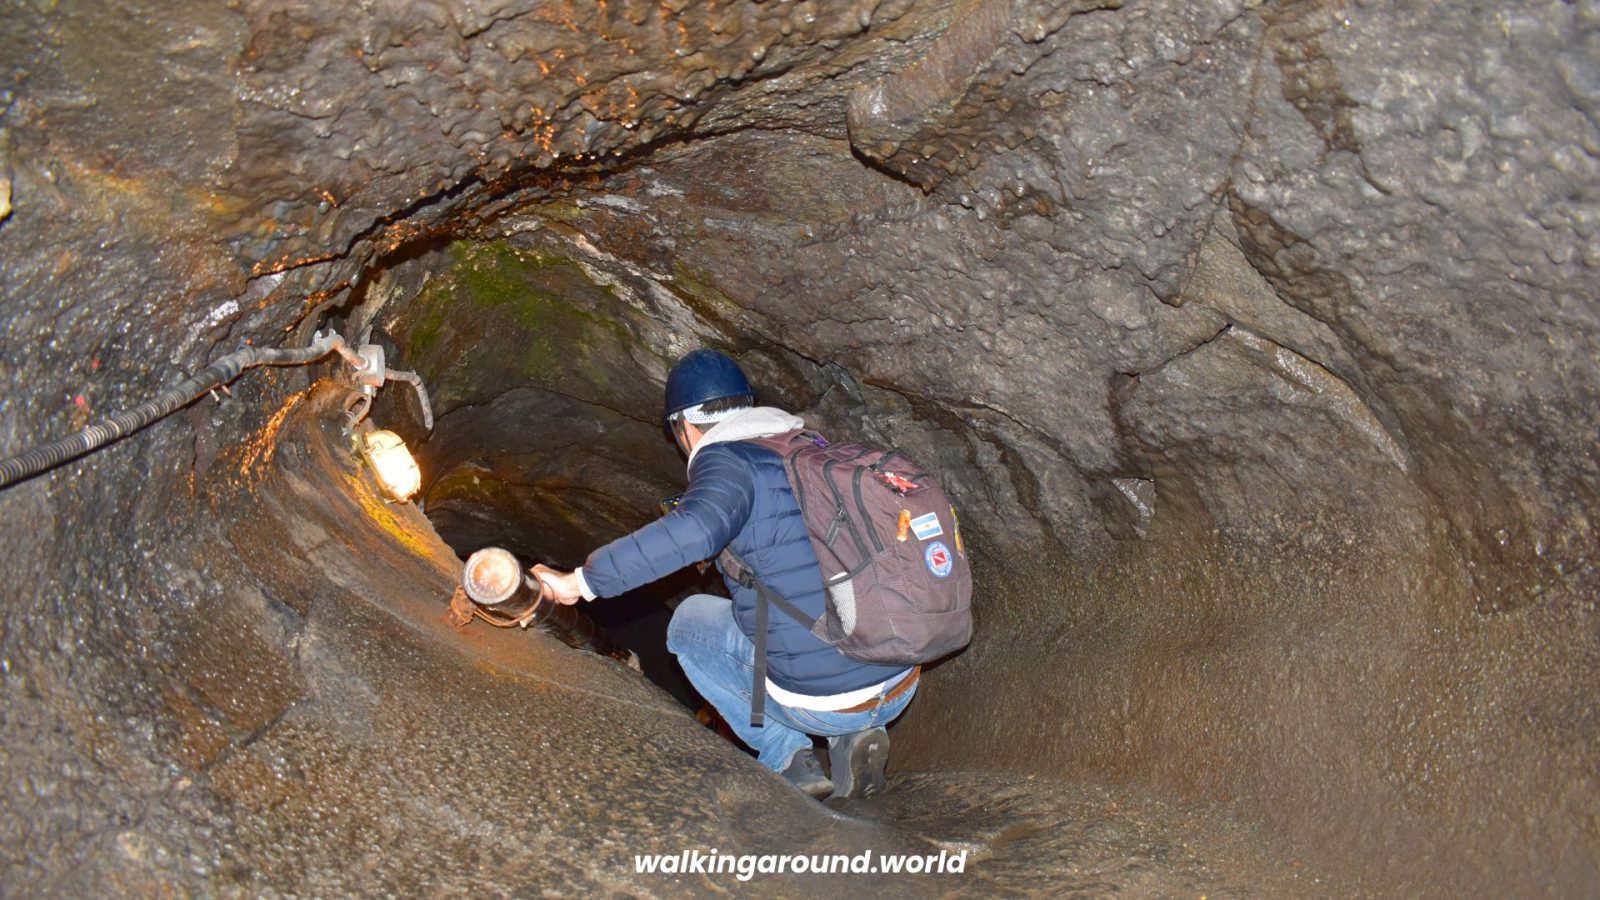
{"type": "Point", "coordinates": [739, 506]}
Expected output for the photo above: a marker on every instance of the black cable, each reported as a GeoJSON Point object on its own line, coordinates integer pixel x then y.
{"type": "Point", "coordinates": [98, 434]}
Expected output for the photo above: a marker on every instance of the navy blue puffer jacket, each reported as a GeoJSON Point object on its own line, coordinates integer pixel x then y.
{"type": "Point", "coordinates": [738, 493]}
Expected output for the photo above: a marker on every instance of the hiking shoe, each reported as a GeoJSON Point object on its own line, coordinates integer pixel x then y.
{"type": "Point", "coordinates": [805, 773]}
{"type": "Point", "coordinates": [858, 761]}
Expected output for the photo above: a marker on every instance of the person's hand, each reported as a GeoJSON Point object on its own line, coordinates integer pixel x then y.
{"type": "Point", "coordinates": [562, 587]}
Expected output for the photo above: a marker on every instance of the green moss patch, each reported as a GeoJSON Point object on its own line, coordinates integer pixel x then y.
{"type": "Point", "coordinates": [542, 312]}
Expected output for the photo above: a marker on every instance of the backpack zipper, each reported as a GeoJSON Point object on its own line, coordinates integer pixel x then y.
{"type": "Point", "coordinates": [794, 479]}
{"type": "Point", "coordinates": [827, 469]}
{"type": "Point", "coordinates": [866, 518]}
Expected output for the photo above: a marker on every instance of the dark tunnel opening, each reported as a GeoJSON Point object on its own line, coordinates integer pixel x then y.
{"type": "Point", "coordinates": [534, 449]}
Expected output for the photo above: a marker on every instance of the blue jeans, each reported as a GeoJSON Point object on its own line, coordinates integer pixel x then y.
{"type": "Point", "coordinates": [720, 661]}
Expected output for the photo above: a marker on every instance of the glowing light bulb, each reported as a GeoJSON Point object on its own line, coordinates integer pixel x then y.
{"type": "Point", "coordinates": [396, 470]}
{"type": "Point", "coordinates": [491, 575]}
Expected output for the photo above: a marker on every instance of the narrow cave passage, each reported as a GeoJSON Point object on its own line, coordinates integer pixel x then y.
{"type": "Point", "coordinates": [546, 442]}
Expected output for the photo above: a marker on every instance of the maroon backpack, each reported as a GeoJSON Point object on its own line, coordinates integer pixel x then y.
{"type": "Point", "coordinates": [898, 584]}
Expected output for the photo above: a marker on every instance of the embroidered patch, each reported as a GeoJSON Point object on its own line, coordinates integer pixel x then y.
{"type": "Point", "coordinates": [937, 556]}
{"type": "Point", "coordinates": [896, 482]}
{"type": "Point", "coordinates": [927, 526]}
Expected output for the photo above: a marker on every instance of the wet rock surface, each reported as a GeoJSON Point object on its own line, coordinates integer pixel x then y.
{"type": "Point", "coordinates": [1066, 839]}
{"type": "Point", "coordinates": [1256, 342]}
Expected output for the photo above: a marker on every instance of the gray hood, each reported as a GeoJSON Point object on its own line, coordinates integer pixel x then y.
{"type": "Point", "coordinates": [758, 421]}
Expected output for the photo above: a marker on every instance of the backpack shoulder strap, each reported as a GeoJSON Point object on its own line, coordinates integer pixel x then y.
{"type": "Point", "coordinates": [747, 576]}
{"type": "Point", "coordinates": [764, 596]}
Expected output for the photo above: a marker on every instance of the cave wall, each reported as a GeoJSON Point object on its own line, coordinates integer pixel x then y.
{"type": "Point", "coordinates": [1258, 342]}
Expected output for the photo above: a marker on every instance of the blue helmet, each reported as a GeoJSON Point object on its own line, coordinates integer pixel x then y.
{"type": "Point", "coordinates": [702, 376]}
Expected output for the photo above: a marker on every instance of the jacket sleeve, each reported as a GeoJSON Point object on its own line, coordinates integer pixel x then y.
{"type": "Point", "coordinates": [711, 514]}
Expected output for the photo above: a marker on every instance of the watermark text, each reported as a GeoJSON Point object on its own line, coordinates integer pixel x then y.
{"type": "Point", "coordinates": [746, 866]}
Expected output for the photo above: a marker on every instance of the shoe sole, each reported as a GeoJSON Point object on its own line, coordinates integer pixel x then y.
{"type": "Point", "coordinates": [864, 762]}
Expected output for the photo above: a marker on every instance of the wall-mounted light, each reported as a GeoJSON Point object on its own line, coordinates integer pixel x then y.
{"type": "Point", "coordinates": [392, 462]}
